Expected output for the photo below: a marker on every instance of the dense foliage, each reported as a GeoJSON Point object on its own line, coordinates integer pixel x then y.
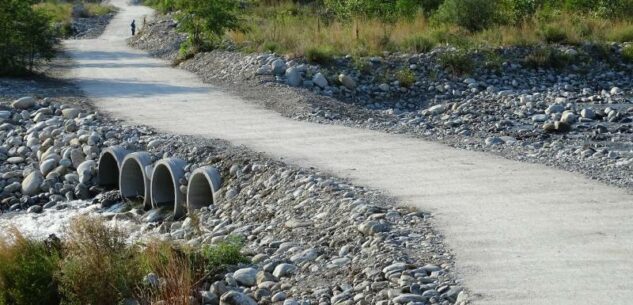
{"type": "Point", "coordinates": [27, 36]}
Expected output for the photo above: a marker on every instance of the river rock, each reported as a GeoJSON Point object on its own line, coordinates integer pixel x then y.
{"type": "Point", "coordinates": [32, 182]}
{"type": "Point", "coordinates": [246, 276]}
{"type": "Point", "coordinates": [23, 103]}
{"type": "Point", "coordinates": [236, 298]}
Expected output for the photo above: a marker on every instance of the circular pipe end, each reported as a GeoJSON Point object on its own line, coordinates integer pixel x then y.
{"type": "Point", "coordinates": [134, 180]}
{"type": "Point", "coordinates": [203, 185]}
{"type": "Point", "coordinates": [109, 165]}
{"type": "Point", "coordinates": [165, 185]}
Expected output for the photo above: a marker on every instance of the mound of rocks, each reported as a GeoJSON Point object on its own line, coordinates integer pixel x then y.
{"type": "Point", "coordinates": [48, 153]}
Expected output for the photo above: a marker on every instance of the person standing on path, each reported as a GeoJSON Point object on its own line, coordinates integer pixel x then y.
{"type": "Point", "coordinates": [133, 25]}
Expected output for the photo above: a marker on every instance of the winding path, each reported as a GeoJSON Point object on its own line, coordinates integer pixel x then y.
{"type": "Point", "coordinates": [522, 233]}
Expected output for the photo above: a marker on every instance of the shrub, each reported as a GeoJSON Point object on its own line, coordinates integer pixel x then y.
{"type": "Point", "coordinates": [27, 271]}
{"type": "Point", "coordinates": [406, 78]}
{"type": "Point", "coordinates": [180, 270]}
{"type": "Point", "coordinates": [319, 55]}
{"type": "Point", "coordinates": [547, 57]}
{"type": "Point", "coordinates": [474, 15]}
{"type": "Point", "coordinates": [223, 254]}
{"type": "Point", "coordinates": [627, 53]}
{"type": "Point", "coordinates": [418, 44]}
{"type": "Point", "coordinates": [457, 62]}
{"type": "Point", "coordinates": [271, 46]}
{"type": "Point", "coordinates": [98, 267]}
{"type": "Point", "coordinates": [554, 34]}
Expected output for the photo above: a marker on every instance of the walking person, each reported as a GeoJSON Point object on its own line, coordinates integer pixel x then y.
{"type": "Point", "coordinates": [133, 25]}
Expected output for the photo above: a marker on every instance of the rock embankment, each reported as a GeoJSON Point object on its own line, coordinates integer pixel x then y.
{"type": "Point", "coordinates": [312, 238]}
{"type": "Point", "coordinates": [569, 107]}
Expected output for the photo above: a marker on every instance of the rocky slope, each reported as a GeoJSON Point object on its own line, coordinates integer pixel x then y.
{"type": "Point", "coordinates": [312, 238]}
{"type": "Point", "coordinates": [569, 107]}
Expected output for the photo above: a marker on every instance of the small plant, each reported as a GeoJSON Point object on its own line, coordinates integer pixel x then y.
{"type": "Point", "coordinates": [554, 34]}
{"type": "Point", "coordinates": [457, 62]}
{"type": "Point", "coordinates": [361, 64]}
{"type": "Point", "coordinates": [223, 254]}
{"type": "Point", "coordinates": [418, 44]}
{"type": "Point", "coordinates": [492, 61]}
{"type": "Point", "coordinates": [271, 47]}
{"type": "Point", "coordinates": [627, 53]}
{"type": "Point", "coordinates": [27, 269]}
{"type": "Point", "coordinates": [319, 55]}
{"type": "Point", "coordinates": [98, 267]}
{"type": "Point", "coordinates": [406, 78]}
{"type": "Point", "coordinates": [547, 57]}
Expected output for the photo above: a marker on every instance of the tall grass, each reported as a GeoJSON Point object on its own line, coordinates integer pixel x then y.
{"type": "Point", "coordinates": [295, 29]}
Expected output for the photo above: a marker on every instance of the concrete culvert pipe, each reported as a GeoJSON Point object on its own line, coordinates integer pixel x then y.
{"type": "Point", "coordinates": [203, 185]}
{"type": "Point", "coordinates": [110, 162]}
{"type": "Point", "coordinates": [165, 188]}
{"type": "Point", "coordinates": [134, 179]}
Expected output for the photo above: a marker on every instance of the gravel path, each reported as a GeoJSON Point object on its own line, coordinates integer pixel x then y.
{"type": "Point", "coordinates": [521, 233]}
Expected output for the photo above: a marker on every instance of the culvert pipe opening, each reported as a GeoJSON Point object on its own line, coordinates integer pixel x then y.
{"type": "Point", "coordinates": [109, 165]}
{"type": "Point", "coordinates": [165, 185]}
{"type": "Point", "coordinates": [134, 181]}
{"type": "Point", "coordinates": [203, 185]}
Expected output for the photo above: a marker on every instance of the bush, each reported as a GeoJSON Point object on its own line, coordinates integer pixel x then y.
{"type": "Point", "coordinates": [27, 271]}
{"type": "Point", "coordinates": [223, 254]}
{"type": "Point", "coordinates": [627, 53]}
{"type": "Point", "coordinates": [418, 44]}
{"type": "Point", "coordinates": [27, 37]}
{"type": "Point", "coordinates": [554, 34]}
{"type": "Point", "coordinates": [98, 267]}
{"type": "Point", "coordinates": [547, 57]}
{"type": "Point", "coordinates": [457, 62]}
{"type": "Point", "coordinates": [406, 78]}
{"type": "Point", "coordinates": [320, 55]}
{"type": "Point", "coordinates": [473, 15]}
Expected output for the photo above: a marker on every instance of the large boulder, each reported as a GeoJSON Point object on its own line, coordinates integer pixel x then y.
{"type": "Point", "coordinates": [246, 276]}
{"type": "Point", "coordinates": [293, 77]}
{"type": "Point", "coordinates": [278, 66]}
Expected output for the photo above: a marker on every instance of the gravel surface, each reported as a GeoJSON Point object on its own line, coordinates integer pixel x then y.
{"type": "Point", "coordinates": [313, 239]}
{"type": "Point", "coordinates": [578, 118]}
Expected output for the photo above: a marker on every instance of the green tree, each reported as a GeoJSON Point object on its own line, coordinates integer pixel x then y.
{"type": "Point", "coordinates": [207, 21]}
{"type": "Point", "coordinates": [26, 37]}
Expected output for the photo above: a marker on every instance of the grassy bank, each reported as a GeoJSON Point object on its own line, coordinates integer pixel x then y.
{"type": "Point", "coordinates": [370, 27]}
{"type": "Point", "coordinates": [298, 29]}
{"type": "Point", "coordinates": [94, 265]}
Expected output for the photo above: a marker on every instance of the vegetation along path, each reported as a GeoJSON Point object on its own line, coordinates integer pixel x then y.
{"type": "Point", "coordinates": [521, 233]}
